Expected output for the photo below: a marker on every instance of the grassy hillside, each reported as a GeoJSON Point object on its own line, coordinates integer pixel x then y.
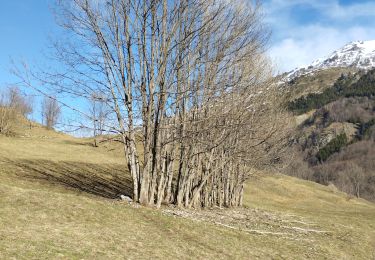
{"type": "Point", "coordinates": [57, 201]}
{"type": "Point", "coordinates": [316, 82]}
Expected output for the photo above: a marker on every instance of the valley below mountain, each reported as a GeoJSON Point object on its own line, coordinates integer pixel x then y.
{"type": "Point", "coordinates": [333, 102]}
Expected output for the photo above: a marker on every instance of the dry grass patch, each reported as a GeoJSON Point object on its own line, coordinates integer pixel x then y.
{"type": "Point", "coordinates": [56, 201]}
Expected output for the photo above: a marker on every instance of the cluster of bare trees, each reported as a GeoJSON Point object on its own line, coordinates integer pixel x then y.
{"type": "Point", "coordinates": [187, 87]}
{"type": "Point", "coordinates": [351, 170]}
{"type": "Point", "coordinates": [13, 98]}
{"type": "Point", "coordinates": [12, 103]}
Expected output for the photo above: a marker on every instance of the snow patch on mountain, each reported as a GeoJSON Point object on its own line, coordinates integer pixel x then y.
{"type": "Point", "coordinates": [358, 54]}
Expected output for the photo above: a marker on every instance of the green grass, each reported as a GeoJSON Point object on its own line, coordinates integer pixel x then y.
{"type": "Point", "coordinates": [56, 202]}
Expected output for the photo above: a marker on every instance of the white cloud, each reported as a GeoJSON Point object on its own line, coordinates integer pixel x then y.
{"type": "Point", "coordinates": [297, 44]}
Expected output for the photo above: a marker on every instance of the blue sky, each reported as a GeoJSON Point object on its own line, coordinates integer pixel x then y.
{"type": "Point", "coordinates": [303, 30]}
{"type": "Point", "coordinates": [24, 28]}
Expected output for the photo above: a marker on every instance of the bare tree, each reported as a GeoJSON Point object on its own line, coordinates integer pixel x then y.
{"type": "Point", "coordinates": [50, 112]}
{"type": "Point", "coordinates": [99, 113]}
{"type": "Point", "coordinates": [17, 101]}
{"type": "Point", "coordinates": [186, 79]}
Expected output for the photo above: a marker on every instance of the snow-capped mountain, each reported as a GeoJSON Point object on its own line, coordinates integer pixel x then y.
{"type": "Point", "coordinates": [359, 54]}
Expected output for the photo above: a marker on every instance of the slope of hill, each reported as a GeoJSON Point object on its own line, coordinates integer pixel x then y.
{"type": "Point", "coordinates": [58, 198]}
{"type": "Point", "coordinates": [317, 82]}
{"type": "Point", "coordinates": [336, 134]}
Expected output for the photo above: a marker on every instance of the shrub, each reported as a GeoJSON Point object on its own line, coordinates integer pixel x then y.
{"type": "Point", "coordinates": [7, 118]}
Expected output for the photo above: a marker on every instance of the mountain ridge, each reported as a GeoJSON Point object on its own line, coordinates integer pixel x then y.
{"type": "Point", "coordinates": [358, 54]}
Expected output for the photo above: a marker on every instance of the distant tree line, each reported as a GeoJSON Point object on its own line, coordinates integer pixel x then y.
{"type": "Point", "coordinates": [14, 105]}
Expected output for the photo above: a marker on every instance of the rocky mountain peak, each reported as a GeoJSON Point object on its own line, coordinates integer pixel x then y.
{"type": "Point", "coordinates": [358, 54]}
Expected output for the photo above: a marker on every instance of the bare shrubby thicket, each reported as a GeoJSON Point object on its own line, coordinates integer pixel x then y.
{"type": "Point", "coordinates": [17, 101]}
{"type": "Point", "coordinates": [12, 103]}
{"type": "Point", "coordinates": [351, 170]}
{"type": "Point", "coordinates": [7, 116]}
{"type": "Point", "coordinates": [186, 79]}
{"type": "Point", "coordinates": [298, 166]}
{"type": "Point", "coordinates": [50, 112]}
{"type": "Point", "coordinates": [359, 109]}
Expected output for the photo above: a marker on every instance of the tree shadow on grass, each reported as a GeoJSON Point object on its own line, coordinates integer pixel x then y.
{"type": "Point", "coordinates": [104, 180]}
